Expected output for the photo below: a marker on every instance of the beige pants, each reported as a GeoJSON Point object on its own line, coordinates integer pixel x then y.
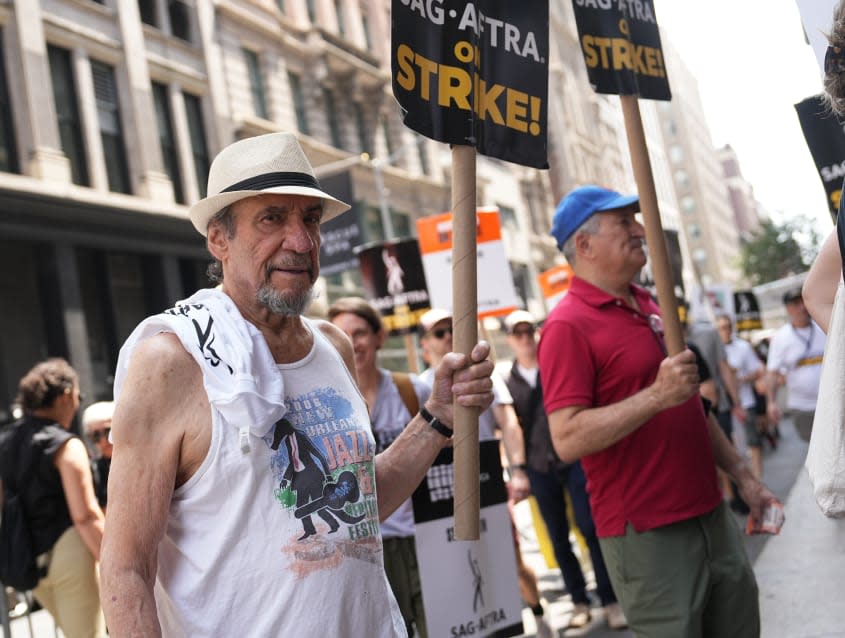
{"type": "Point", "coordinates": [71, 589]}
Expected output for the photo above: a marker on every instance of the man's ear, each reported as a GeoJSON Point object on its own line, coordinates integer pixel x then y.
{"type": "Point", "coordinates": [217, 241]}
{"type": "Point", "coordinates": [583, 245]}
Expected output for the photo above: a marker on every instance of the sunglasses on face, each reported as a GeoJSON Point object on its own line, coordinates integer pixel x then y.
{"type": "Point", "coordinates": [523, 332]}
{"type": "Point", "coordinates": [96, 435]}
{"type": "Point", "coordinates": [442, 332]}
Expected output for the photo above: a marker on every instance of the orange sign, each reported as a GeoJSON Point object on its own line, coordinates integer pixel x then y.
{"type": "Point", "coordinates": [435, 231]}
{"type": "Point", "coordinates": [555, 282]}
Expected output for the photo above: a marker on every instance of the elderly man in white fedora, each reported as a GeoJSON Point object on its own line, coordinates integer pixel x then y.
{"type": "Point", "coordinates": [245, 490]}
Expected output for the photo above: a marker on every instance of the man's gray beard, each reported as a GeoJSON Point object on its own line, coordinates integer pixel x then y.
{"type": "Point", "coordinates": [285, 304]}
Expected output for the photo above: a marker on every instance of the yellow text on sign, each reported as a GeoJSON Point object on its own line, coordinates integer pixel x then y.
{"type": "Point", "coordinates": [619, 53]}
{"type": "Point", "coordinates": [452, 85]}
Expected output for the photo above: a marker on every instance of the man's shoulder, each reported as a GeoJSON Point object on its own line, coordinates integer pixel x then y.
{"type": "Point", "coordinates": [782, 334]}
{"type": "Point", "coordinates": [161, 348]}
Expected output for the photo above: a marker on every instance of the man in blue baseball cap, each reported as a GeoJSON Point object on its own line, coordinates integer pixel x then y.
{"type": "Point", "coordinates": [581, 204]}
{"type": "Point", "coordinates": [633, 416]}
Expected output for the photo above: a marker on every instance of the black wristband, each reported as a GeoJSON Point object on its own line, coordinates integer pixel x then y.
{"type": "Point", "coordinates": [436, 423]}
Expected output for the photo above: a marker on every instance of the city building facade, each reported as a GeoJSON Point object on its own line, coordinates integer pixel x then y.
{"type": "Point", "coordinates": [112, 110]}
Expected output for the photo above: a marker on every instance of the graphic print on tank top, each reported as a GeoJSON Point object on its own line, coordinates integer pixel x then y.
{"type": "Point", "coordinates": [324, 472]}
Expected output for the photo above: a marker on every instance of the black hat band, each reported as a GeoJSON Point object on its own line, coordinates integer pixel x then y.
{"type": "Point", "coordinates": [271, 180]}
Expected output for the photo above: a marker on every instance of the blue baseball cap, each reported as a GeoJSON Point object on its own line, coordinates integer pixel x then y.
{"type": "Point", "coordinates": [582, 203]}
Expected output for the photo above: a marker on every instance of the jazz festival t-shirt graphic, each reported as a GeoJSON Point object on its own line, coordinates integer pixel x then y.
{"type": "Point", "coordinates": [325, 478]}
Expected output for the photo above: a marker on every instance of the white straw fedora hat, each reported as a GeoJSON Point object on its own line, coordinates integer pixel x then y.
{"type": "Point", "coordinates": [272, 163]}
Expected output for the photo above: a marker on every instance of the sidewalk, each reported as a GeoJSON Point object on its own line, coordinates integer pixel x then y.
{"type": "Point", "coordinates": [801, 572]}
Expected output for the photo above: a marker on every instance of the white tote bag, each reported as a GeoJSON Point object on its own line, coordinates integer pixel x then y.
{"type": "Point", "coordinates": [826, 456]}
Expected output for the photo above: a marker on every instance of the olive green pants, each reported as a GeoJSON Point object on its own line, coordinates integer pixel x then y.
{"type": "Point", "coordinates": [691, 579]}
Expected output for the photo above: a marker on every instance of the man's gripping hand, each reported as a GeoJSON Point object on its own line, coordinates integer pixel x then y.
{"type": "Point", "coordinates": [677, 380]}
{"type": "Point", "coordinates": [464, 379]}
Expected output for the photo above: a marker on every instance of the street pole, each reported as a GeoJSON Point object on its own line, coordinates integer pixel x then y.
{"type": "Point", "coordinates": [384, 206]}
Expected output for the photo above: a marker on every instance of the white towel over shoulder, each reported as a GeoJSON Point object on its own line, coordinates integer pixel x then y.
{"type": "Point", "coordinates": [239, 373]}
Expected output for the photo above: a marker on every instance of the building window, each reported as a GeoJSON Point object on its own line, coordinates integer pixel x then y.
{"type": "Point", "coordinates": [682, 178]}
{"type": "Point", "coordinates": [694, 231]}
{"type": "Point", "coordinates": [372, 228]}
{"type": "Point", "coordinates": [312, 11]}
{"type": "Point", "coordinates": [338, 9]}
{"type": "Point", "coordinates": [688, 204]}
{"type": "Point", "coordinates": [167, 140]}
{"type": "Point", "coordinates": [507, 216]}
{"type": "Point", "coordinates": [423, 153]}
{"type": "Point", "coordinates": [111, 132]}
{"type": "Point", "coordinates": [360, 121]}
{"type": "Point", "coordinates": [180, 20]}
{"type": "Point", "coordinates": [331, 116]}
{"type": "Point", "coordinates": [388, 141]}
{"type": "Point", "coordinates": [256, 83]}
{"type": "Point", "coordinates": [368, 36]}
{"type": "Point", "coordinates": [67, 113]}
{"type": "Point", "coordinates": [676, 153]}
{"type": "Point", "coordinates": [8, 148]}
{"type": "Point", "coordinates": [199, 147]}
{"type": "Point", "coordinates": [401, 222]}
{"type": "Point", "coordinates": [671, 128]}
{"type": "Point", "coordinates": [148, 12]}
{"type": "Point", "coordinates": [699, 255]}
{"type": "Point", "coordinates": [298, 102]}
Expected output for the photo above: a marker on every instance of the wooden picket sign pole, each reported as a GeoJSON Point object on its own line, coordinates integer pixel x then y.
{"type": "Point", "coordinates": [467, 501]}
{"type": "Point", "coordinates": [411, 352]}
{"type": "Point", "coordinates": [658, 254]}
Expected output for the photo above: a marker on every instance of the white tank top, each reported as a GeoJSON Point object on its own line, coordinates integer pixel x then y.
{"type": "Point", "coordinates": [282, 540]}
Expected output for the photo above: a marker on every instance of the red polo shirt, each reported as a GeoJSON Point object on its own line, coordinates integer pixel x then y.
{"type": "Point", "coordinates": [595, 350]}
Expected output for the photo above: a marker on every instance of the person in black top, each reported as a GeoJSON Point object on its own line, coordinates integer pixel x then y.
{"type": "Point", "coordinates": [48, 467]}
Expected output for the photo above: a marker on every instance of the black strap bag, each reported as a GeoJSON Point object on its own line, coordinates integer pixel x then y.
{"type": "Point", "coordinates": [18, 562]}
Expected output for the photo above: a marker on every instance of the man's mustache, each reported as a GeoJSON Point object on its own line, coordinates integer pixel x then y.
{"type": "Point", "coordinates": [292, 263]}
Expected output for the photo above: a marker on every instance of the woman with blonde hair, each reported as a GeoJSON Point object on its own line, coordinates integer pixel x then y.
{"type": "Point", "coordinates": [48, 467]}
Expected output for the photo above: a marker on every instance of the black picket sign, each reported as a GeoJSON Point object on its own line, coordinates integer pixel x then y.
{"type": "Point", "coordinates": [825, 135]}
{"type": "Point", "coordinates": [475, 74]}
{"type": "Point", "coordinates": [747, 310]}
{"type": "Point", "coordinates": [394, 283]}
{"type": "Point", "coordinates": [621, 45]}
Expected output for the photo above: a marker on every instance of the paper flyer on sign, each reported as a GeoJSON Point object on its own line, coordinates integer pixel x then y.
{"type": "Point", "coordinates": [496, 292]}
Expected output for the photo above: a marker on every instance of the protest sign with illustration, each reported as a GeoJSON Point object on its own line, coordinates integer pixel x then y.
{"type": "Point", "coordinates": [394, 283]}
{"type": "Point", "coordinates": [482, 596]}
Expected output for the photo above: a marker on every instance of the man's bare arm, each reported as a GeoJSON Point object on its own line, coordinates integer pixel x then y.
{"type": "Point", "coordinates": [753, 492]}
{"type": "Point", "coordinates": [819, 290]}
{"type": "Point", "coordinates": [580, 430]}
{"type": "Point", "coordinates": [514, 444]}
{"type": "Point", "coordinates": [401, 467]}
{"type": "Point", "coordinates": [158, 439]}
